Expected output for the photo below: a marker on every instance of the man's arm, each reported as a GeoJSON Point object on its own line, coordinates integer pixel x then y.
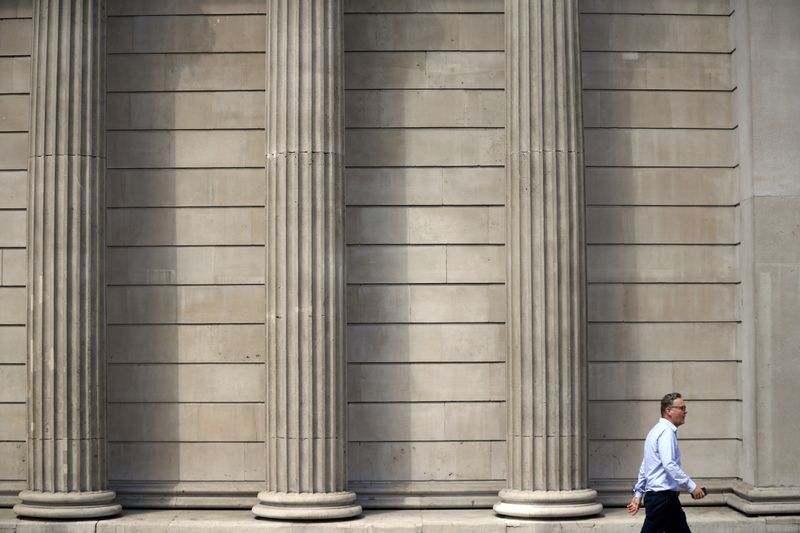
{"type": "Point", "coordinates": [638, 491]}
{"type": "Point", "coordinates": [667, 447]}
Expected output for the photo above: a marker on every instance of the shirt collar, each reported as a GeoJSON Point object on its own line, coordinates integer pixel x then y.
{"type": "Point", "coordinates": [669, 424]}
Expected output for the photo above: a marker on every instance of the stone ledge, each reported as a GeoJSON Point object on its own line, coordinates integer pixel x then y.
{"type": "Point", "coordinates": [701, 519]}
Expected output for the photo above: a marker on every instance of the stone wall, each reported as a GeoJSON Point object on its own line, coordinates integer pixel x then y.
{"type": "Point", "coordinates": [16, 36]}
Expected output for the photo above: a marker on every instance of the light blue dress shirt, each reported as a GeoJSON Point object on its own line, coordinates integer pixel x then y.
{"type": "Point", "coordinates": [661, 466]}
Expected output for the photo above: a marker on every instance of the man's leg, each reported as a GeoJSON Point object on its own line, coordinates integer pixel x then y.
{"type": "Point", "coordinates": [678, 517]}
{"type": "Point", "coordinates": [656, 512]}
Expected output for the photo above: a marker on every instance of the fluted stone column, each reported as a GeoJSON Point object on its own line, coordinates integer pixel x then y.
{"type": "Point", "coordinates": [547, 446]}
{"type": "Point", "coordinates": [306, 436]}
{"type": "Point", "coordinates": [66, 250]}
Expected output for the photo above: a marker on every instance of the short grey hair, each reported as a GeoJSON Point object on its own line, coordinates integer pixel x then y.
{"type": "Point", "coordinates": [667, 400]}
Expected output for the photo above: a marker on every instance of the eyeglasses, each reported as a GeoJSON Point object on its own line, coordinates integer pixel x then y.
{"type": "Point", "coordinates": [681, 407]}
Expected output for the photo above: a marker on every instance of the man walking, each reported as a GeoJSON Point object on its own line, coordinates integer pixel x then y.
{"type": "Point", "coordinates": [661, 476]}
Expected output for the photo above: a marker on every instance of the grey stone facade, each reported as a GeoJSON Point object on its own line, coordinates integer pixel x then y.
{"type": "Point", "coordinates": [324, 256]}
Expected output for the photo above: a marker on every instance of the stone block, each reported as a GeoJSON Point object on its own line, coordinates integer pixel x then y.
{"type": "Point", "coordinates": [186, 422]}
{"type": "Point", "coordinates": [425, 225]}
{"type": "Point", "coordinates": [169, 383]}
{"type": "Point", "coordinates": [426, 303]}
{"type": "Point", "coordinates": [238, 304]}
{"type": "Point", "coordinates": [212, 187]}
{"type": "Point", "coordinates": [423, 31]}
{"type": "Point", "coordinates": [715, 458]}
{"type": "Point", "coordinates": [423, 6]}
{"type": "Point", "coordinates": [16, 37]}
{"type": "Point", "coordinates": [476, 264]}
{"type": "Point", "coordinates": [185, 7]}
{"type": "Point", "coordinates": [13, 151]}
{"type": "Point", "coordinates": [424, 70]}
{"type": "Point", "coordinates": [426, 342]}
{"type": "Point", "coordinates": [221, 110]}
{"type": "Point", "coordinates": [13, 384]}
{"type": "Point", "coordinates": [658, 109]}
{"type": "Point", "coordinates": [12, 228]}
{"type": "Point", "coordinates": [777, 309]}
{"type": "Point", "coordinates": [425, 186]}
{"type": "Point", "coordinates": [187, 149]}
{"type": "Point", "coordinates": [695, 380]}
{"type": "Point", "coordinates": [689, 7]}
{"type": "Point", "coordinates": [424, 147]}
{"type": "Point", "coordinates": [387, 422]}
{"type": "Point", "coordinates": [662, 225]}
{"type": "Point", "coordinates": [207, 343]}
{"type": "Point", "coordinates": [421, 461]}
{"type": "Point", "coordinates": [425, 108]}
{"type": "Point", "coordinates": [185, 226]}
{"type": "Point", "coordinates": [185, 72]}
{"type": "Point", "coordinates": [180, 34]}
{"type": "Point", "coordinates": [776, 225]}
{"type": "Point", "coordinates": [662, 263]}
{"type": "Point", "coordinates": [13, 345]}
{"type": "Point", "coordinates": [14, 417]}
{"type": "Point", "coordinates": [774, 108]}
{"type": "Point", "coordinates": [622, 420]}
{"type": "Point", "coordinates": [13, 310]}
{"type": "Point", "coordinates": [13, 460]}
{"type": "Point", "coordinates": [201, 265]}
{"type": "Point", "coordinates": [14, 112]}
{"type": "Point", "coordinates": [13, 269]}
{"type": "Point", "coordinates": [662, 186]}
{"type": "Point", "coordinates": [656, 33]}
{"type": "Point", "coordinates": [186, 461]}
{"type": "Point", "coordinates": [662, 342]}
{"type": "Point", "coordinates": [653, 70]}
{"type": "Point", "coordinates": [428, 382]}
{"type": "Point", "coordinates": [660, 147]}
{"type": "Point", "coordinates": [663, 302]}
{"type": "Point", "coordinates": [13, 189]}
{"type": "Point", "coordinates": [11, 9]}
{"type": "Point", "coordinates": [15, 74]}
{"type": "Point", "coordinates": [396, 264]}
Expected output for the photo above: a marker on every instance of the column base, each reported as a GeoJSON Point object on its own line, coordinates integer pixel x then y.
{"type": "Point", "coordinates": [548, 503]}
{"type": "Point", "coordinates": [764, 500]}
{"type": "Point", "coordinates": [307, 505]}
{"type": "Point", "coordinates": [74, 505]}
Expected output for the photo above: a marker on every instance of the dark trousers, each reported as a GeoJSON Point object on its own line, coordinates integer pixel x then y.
{"type": "Point", "coordinates": [663, 513]}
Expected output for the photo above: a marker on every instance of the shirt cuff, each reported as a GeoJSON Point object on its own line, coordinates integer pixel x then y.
{"type": "Point", "coordinates": [637, 495]}
{"type": "Point", "coordinates": [691, 485]}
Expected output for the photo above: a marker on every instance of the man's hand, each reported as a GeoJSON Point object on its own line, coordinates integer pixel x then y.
{"type": "Point", "coordinates": [698, 494]}
{"type": "Point", "coordinates": [633, 507]}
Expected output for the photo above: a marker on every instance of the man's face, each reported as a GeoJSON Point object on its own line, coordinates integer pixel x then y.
{"type": "Point", "coordinates": [677, 412]}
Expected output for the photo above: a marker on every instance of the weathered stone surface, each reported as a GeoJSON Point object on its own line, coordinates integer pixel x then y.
{"type": "Point", "coordinates": [184, 7]}
{"type": "Point", "coordinates": [396, 264]}
{"type": "Point", "coordinates": [13, 189]}
{"type": "Point", "coordinates": [426, 342]}
{"type": "Point", "coordinates": [776, 224]}
{"type": "Point", "coordinates": [651, 70]}
{"type": "Point", "coordinates": [423, 6]}
{"type": "Point", "coordinates": [176, 34]}
{"type": "Point", "coordinates": [426, 303]}
{"type": "Point", "coordinates": [185, 72]}
{"type": "Point", "coordinates": [426, 461]}
{"type": "Point", "coordinates": [662, 225]}
{"type": "Point", "coordinates": [188, 461]}
{"type": "Point", "coordinates": [13, 379]}
{"type": "Point", "coordinates": [424, 70]}
{"type": "Point", "coordinates": [431, 382]}
{"type": "Point", "coordinates": [15, 36]}
{"type": "Point", "coordinates": [14, 419]}
{"type": "Point", "coordinates": [13, 269]}
{"type": "Point", "coordinates": [12, 345]}
{"type": "Point", "coordinates": [14, 112]}
{"type": "Point", "coordinates": [662, 341]}
{"type": "Point", "coordinates": [699, 7]}
{"type": "Point", "coordinates": [427, 421]}
{"type": "Point", "coordinates": [186, 343]}
{"type": "Point", "coordinates": [392, 32]}
{"type": "Point", "coordinates": [662, 33]}
{"type": "Point", "coordinates": [658, 109]}
{"type": "Point", "coordinates": [178, 110]}
{"type": "Point", "coordinates": [662, 186]}
{"type": "Point", "coordinates": [15, 74]}
{"type": "Point", "coordinates": [662, 263]}
{"type": "Point", "coordinates": [186, 422]}
{"type": "Point", "coordinates": [185, 305]}
{"type": "Point", "coordinates": [13, 465]}
{"type": "Point", "coordinates": [13, 147]}
{"type": "Point", "coordinates": [12, 228]}
{"type": "Point", "coordinates": [647, 380]}
{"type": "Point", "coordinates": [16, 9]}
{"type": "Point", "coordinates": [425, 225]}
{"type": "Point", "coordinates": [663, 302]}
{"type": "Point", "coordinates": [186, 383]}
{"type": "Point", "coordinates": [186, 149]}
{"type": "Point", "coordinates": [13, 309]}
{"type": "Point", "coordinates": [660, 147]}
